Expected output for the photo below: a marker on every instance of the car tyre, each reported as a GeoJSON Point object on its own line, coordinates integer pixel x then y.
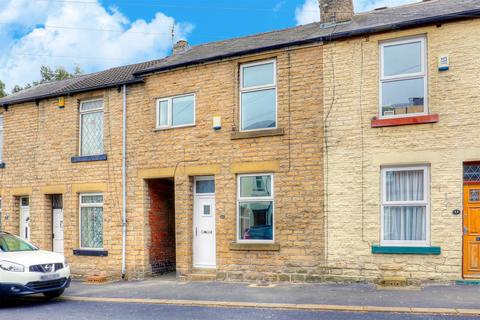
{"type": "Point", "coordinates": [53, 294]}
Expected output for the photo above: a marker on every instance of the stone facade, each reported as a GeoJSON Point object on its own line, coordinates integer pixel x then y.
{"type": "Point", "coordinates": [355, 152]}
{"type": "Point", "coordinates": [41, 139]}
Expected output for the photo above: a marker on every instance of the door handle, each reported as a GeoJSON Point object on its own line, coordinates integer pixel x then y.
{"type": "Point", "coordinates": [196, 231]}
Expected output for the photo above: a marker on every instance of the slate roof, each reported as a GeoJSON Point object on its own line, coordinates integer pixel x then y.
{"type": "Point", "coordinates": [406, 16]}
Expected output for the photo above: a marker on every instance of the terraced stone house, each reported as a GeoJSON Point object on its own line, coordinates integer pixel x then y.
{"type": "Point", "coordinates": [332, 150]}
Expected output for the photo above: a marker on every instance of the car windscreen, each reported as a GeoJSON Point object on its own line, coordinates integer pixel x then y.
{"type": "Point", "coordinates": [11, 243]}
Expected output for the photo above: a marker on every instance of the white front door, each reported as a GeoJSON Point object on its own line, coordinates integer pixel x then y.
{"type": "Point", "coordinates": [204, 244]}
{"type": "Point", "coordinates": [57, 211]}
{"type": "Point", "coordinates": [24, 218]}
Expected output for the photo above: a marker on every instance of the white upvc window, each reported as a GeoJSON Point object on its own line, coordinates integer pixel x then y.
{"type": "Point", "coordinates": [405, 206]}
{"type": "Point", "coordinates": [255, 208]}
{"type": "Point", "coordinates": [1, 138]}
{"type": "Point", "coordinates": [91, 221]}
{"type": "Point", "coordinates": [258, 95]}
{"type": "Point", "coordinates": [91, 128]}
{"type": "Point", "coordinates": [403, 78]}
{"type": "Point", "coordinates": [177, 111]}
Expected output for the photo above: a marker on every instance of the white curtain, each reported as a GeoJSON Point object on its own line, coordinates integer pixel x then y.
{"type": "Point", "coordinates": [405, 222]}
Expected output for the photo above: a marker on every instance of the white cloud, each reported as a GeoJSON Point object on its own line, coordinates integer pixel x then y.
{"type": "Point", "coordinates": [309, 10]}
{"type": "Point", "coordinates": [72, 33]}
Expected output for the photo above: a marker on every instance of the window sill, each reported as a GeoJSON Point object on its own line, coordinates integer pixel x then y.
{"type": "Point", "coordinates": [2, 165]}
{"type": "Point", "coordinates": [90, 253]}
{"type": "Point", "coordinates": [234, 246]}
{"type": "Point", "coordinates": [100, 157]}
{"type": "Point", "coordinates": [257, 134]}
{"type": "Point", "coordinates": [376, 249]}
{"type": "Point", "coordinates": [392, 122]}
{"type": "Point", "coordinates": [171, 128]}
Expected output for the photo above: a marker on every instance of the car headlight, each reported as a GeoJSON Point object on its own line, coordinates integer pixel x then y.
{"type": "Point", "coordinates": [11, 266]}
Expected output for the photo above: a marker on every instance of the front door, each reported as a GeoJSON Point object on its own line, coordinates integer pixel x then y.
{"type": "Point", "coordinates": [471, 231]}
{"type": "Point", "coordinates": [24, 218]}
{"type": "Point", "coordinates": [57, 212]}
{"type": "Point", "coordinates": [204, 247]}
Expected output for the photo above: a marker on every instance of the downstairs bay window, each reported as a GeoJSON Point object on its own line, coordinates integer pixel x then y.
{"type": "Point", "coordinates": [255, 207]}
{"type": "Point", "coordinates": [405, 206]}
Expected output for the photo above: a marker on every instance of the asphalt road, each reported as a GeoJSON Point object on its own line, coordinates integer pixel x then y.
{"type": "Point", "coordinates": [36, 309]}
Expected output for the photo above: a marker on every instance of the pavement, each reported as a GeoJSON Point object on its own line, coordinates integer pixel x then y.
{"type": "Point", "coordinates": [167, 292]}
{"type": "Point", "coordinates": [41, 309]}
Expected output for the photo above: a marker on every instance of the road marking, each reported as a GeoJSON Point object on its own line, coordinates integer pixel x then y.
{"type": "Point", "coordinates": [284, 306]}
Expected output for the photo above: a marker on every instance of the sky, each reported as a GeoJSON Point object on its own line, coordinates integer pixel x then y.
{"type": "Point", "coordinates": [99, 34]}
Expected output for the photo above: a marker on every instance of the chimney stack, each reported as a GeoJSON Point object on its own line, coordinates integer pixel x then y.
{"type": "Point", "coordinates": [180, 47]}
{"type": "Point", "coordinates": [333, 11]}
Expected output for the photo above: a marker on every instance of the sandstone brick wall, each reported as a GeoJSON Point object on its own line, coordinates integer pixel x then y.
{"type": "Point", "coordinates": [40, 140]}
{"type": "Point", "coordinates": [356, 151]}
{"type": "Point", "coordinates": [298, 180]}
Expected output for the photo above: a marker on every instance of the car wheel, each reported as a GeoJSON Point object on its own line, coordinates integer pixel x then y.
{"type": "Point", "coordinates": [53, 294]}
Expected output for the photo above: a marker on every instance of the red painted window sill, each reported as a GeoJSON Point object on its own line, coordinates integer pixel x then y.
{"type": "Point", "coordinates": [391, 122]}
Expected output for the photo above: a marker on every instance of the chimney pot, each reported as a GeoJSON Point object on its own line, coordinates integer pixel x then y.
{"type": "Point", "coordinates": [333, 11]}
{"type": "Point", "coordinates": [180, 47]}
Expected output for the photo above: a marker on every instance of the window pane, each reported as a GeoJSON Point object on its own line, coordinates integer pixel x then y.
{"type": "Point", "coordinates": [91, 105]}
{"type": "Point", "coordinates": [163, 113]}
{"type": "Point", "coordinates": [259, 109]}
{"type": "Point", "coordinates": [471, 173]}
{"type": "Point", "coordinates": [92, 227]}
{"type": "Point", "coordinates": [205, 186]}
{"type": "Point", "coordinates": [405, 223]}
{"type": "Point", "coordinates": [403, 97]}
{"type": "Point", "coordinates": [256, 220]}
{"type": "Point", "coordinates": [92, 134]}
{"type": "Point", "coordinates": [92, 199]}
{"type": "Point", "coordinates": [255, 186]}
{"type": "Point", "coordinates": [404, 185]}
{"type": "Point", "coordinates": [402, 59]}
{"type": "Point", "coordinates": [182, 110]}
{"type": "Point", "coordinates": [258, 75]}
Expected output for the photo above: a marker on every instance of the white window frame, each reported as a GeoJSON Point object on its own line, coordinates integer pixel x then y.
{"type": "Point", "coordinates": [169, 101]}
{"type": "Point", "coordinates": [89, 205]}
{"type": "Point", "coordinates": [3, 137]}
{"type": "Point", "coordinates": [255, 199]}
{"type": "Point", "coordinates": [425, 202]}
{"type": "Point", "coordinates": [417, 75]}
{"type": "Point", "coordinates": [259, 88]}
{"type": "Point", "coordinates": [81, 112]}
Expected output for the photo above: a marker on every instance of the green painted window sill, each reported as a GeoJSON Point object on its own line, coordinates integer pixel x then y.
{"type": "Point", "coordinates": [376, 249]}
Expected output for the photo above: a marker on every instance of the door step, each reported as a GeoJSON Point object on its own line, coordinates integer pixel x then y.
{"type": "Point", "coordinates": [199, 274]}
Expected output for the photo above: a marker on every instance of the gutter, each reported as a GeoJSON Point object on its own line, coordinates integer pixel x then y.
{"type": "Point", "coordinates": [463, 15]}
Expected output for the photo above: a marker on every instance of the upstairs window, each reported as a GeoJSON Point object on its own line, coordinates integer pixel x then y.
{"type": "Point", "coordinates": [258, 96]}
{"type": "Point", "coordinates": [403, 78]}
{"type": "Point", "coordinates": [176, 111]}
{"type": "Point", "coordinates": [91, 128]}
